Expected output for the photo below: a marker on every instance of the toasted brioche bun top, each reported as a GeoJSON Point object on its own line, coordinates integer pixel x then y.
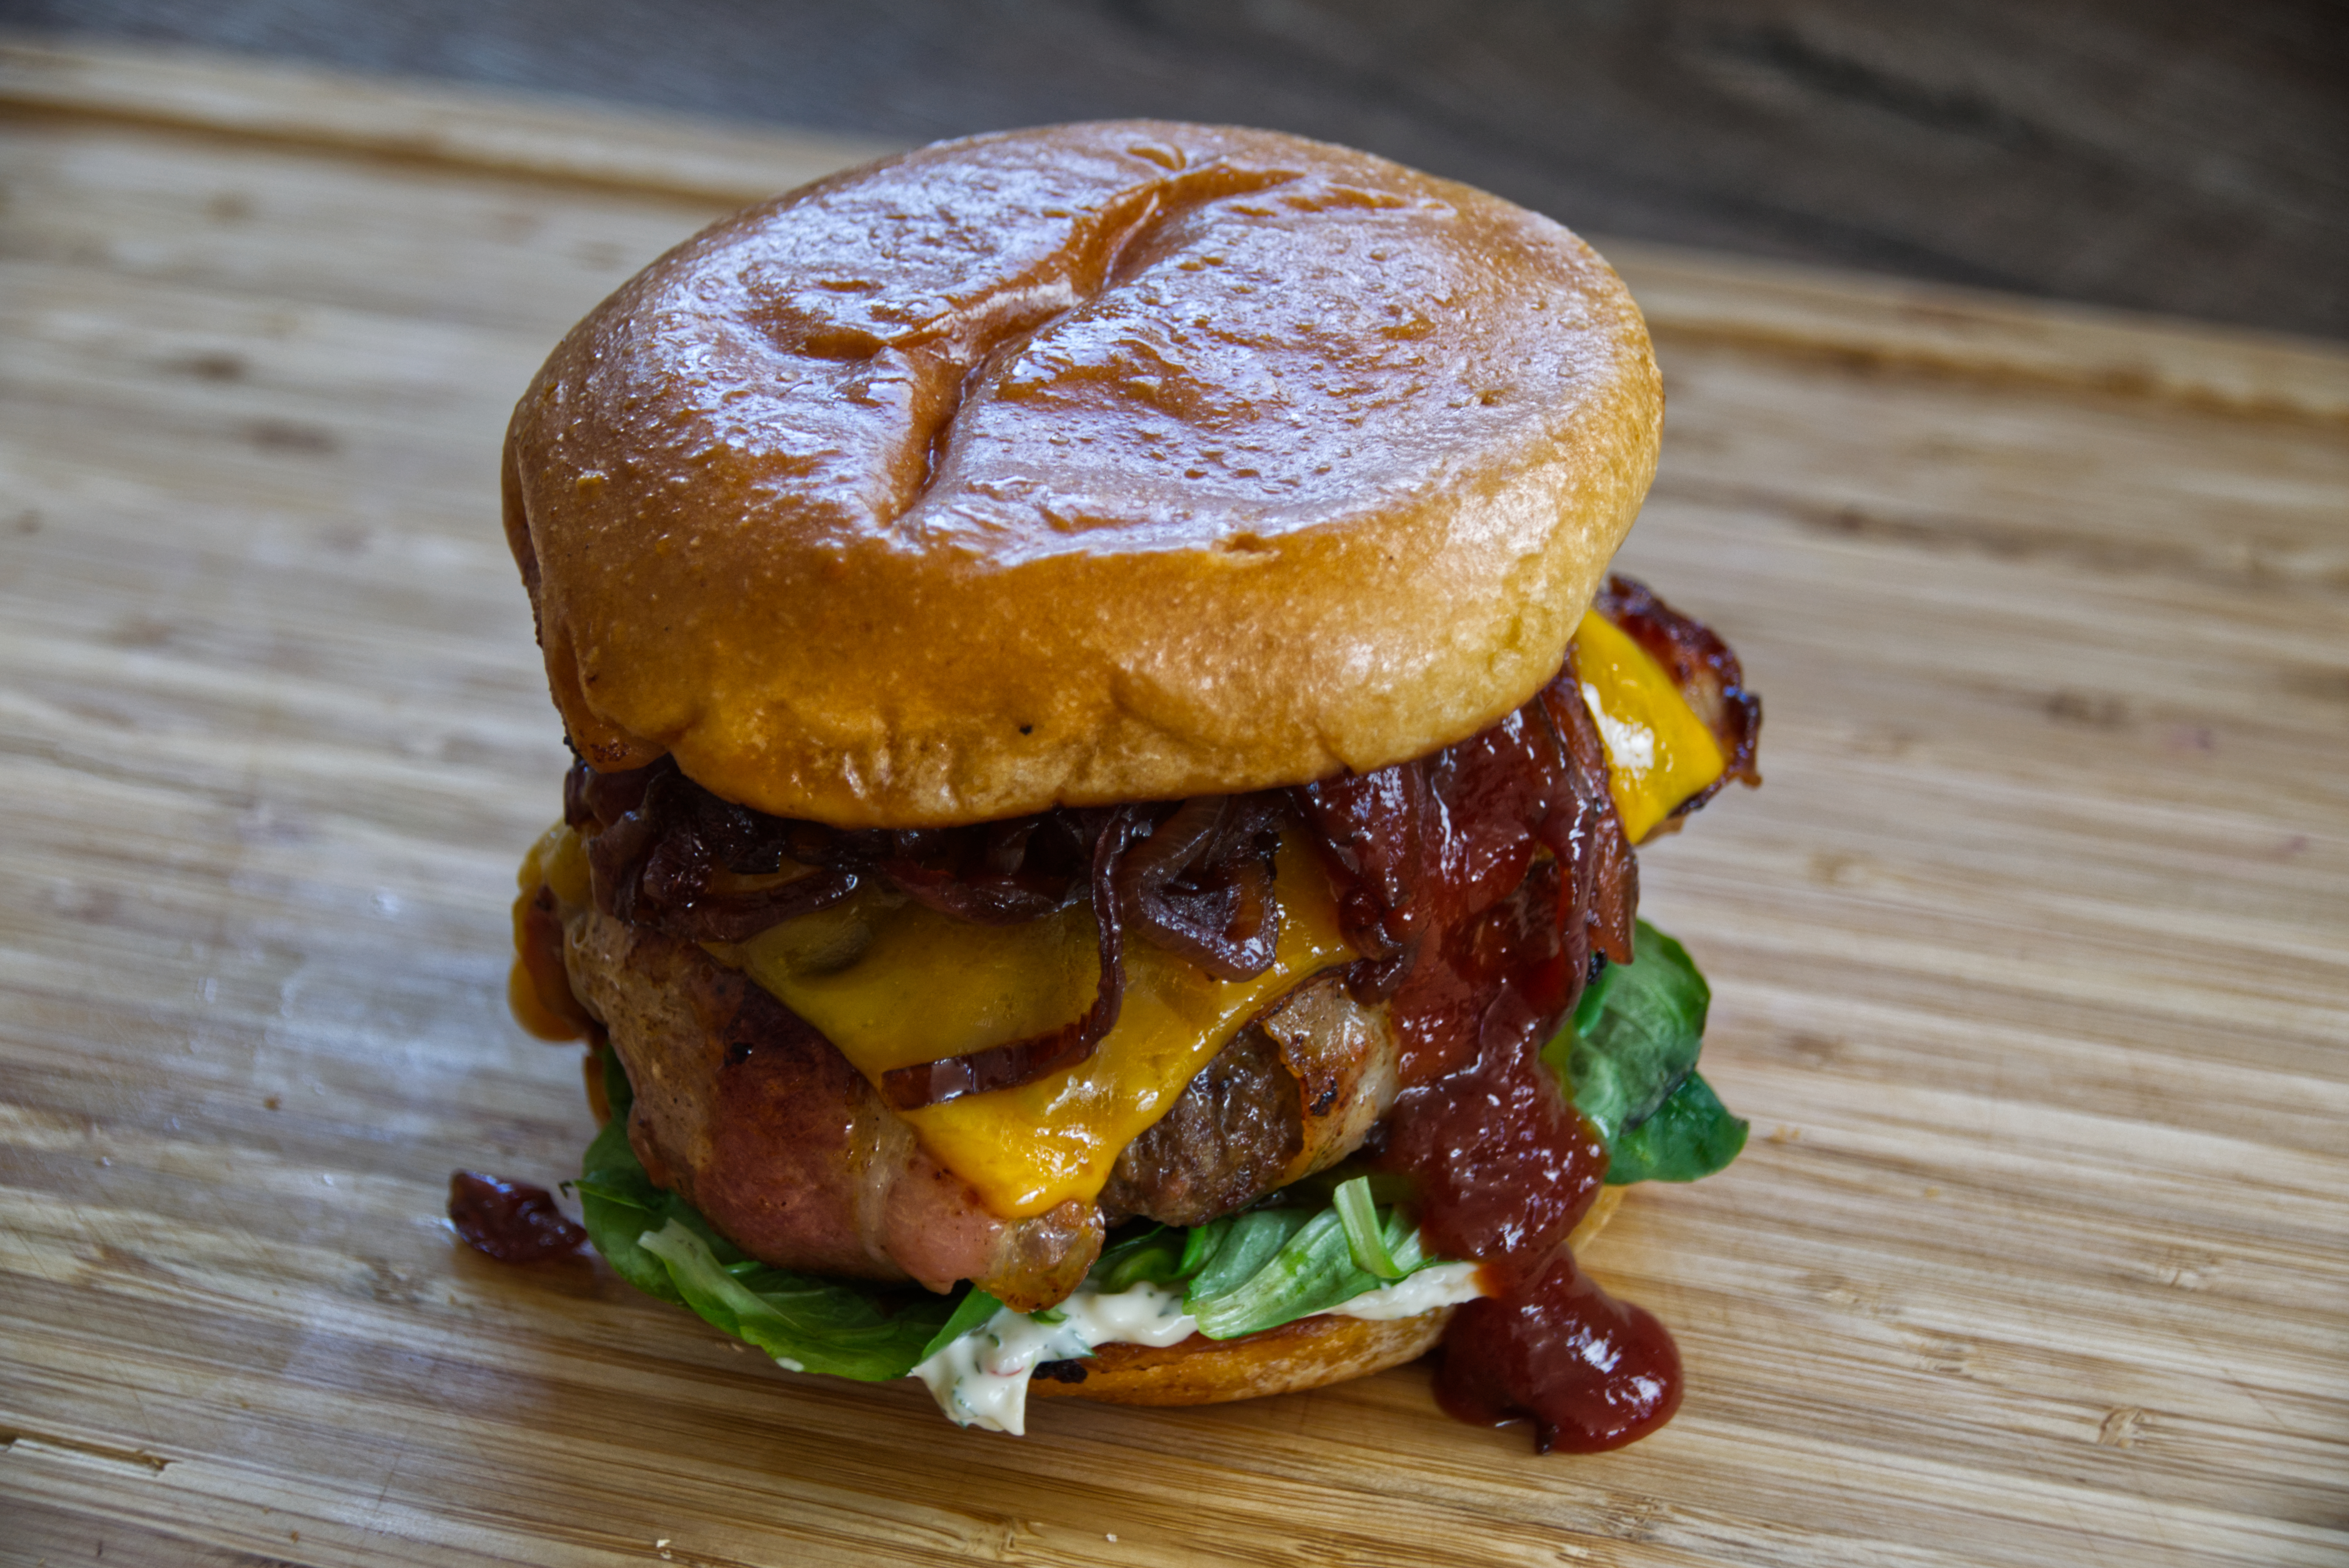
{"type": "Point", "coordinates": [1116, 461]}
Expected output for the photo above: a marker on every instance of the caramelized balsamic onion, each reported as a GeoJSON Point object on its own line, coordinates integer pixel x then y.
{"type": "Point", "coordinates": [993, 899]}
{"type": "Point", "coordinates": [656, 864]}
{"type": "Point", "coordinates": [1201, 884]}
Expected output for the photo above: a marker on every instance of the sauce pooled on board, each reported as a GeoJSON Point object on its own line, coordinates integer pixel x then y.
{"type": "Point", "coordinates": [513, 1222]}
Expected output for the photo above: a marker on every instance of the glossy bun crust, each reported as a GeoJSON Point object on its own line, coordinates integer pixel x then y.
{"type": "Point", "coordinates": [1127, 461]}
{"type": "Point", "coordinates": [1310, 1353]}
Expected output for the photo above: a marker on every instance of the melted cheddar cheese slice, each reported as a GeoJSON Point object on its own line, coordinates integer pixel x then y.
{"type": "Point", "coordinates": [1659, 752]}
{"type": "Point", "coordinates": [894, 984]}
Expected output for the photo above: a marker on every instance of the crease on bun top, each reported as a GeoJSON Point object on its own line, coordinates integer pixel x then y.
{"type": "Point", "coordinates": [1115, 461]}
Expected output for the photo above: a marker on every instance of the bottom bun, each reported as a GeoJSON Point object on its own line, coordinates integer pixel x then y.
{"type": "Point", "coordinates": [1307, 1354]}
{"type": "Point", "coordinates": [1311, 1353]}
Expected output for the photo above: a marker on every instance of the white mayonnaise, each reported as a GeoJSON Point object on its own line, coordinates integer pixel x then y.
{"type": "Point", "coordinates": [1438, 1284]}
{"type": "Point", "coordinates": [981, 1379]}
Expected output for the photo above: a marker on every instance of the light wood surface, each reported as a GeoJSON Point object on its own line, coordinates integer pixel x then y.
{"type": "Point", "coordinates": [2031, 962]}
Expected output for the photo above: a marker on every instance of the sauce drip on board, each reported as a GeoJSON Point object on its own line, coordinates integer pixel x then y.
{"type": "Point", "coordinates": [513, 1222]}
{"type": "Point", "coordinates": [1505, 1167]}
{"type": "Point", "coordinates": [1590, 1372]}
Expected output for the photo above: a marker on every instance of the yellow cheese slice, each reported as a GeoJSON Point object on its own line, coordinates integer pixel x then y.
{"type": "Point", "coordinates": [894, 984]}
{"type": "Point", "coordinates": [1659, 752]}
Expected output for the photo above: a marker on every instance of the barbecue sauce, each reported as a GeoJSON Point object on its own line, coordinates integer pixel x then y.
{"type": "Point", "coordinates": [1489, 874]}
{"type": "Point", "coordinates": [1505, 1167]}
{"type": "Point", "coordinates": [513, 1222]}
{"type": "Point", "coordinates": [1590, 1372]}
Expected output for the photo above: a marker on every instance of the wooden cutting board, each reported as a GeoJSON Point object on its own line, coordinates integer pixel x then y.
{"type": "Point", "coordinates": [2031, 962]}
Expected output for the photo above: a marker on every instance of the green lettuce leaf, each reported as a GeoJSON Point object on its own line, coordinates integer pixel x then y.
{"type": "Point", "coordinates": [1691, 1135]}
{"type": "Point", "coordinates": [618, 1202]}
{"type": "Point", "coordinates": [809, 1325]}
{"type": "Point", "coordinates": [1366, 1239]}
{"type": "Point", "coordinates": [1625, 1055]}
{"type": "Point", "coordinates": [1270, 1266]}
{"type": "Point", "coordinates": [972, 1311]}
{"type": "Point", "coordinates": [1224, 1255]}
{"type": "Point", "coordinates": [1152, 1255]}
{"type": "Point", "coordinates": [1629, 1054]}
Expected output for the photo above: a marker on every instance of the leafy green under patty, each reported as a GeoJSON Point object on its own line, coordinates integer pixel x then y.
{"type": "Point", "coordinates": [1629, 1055]}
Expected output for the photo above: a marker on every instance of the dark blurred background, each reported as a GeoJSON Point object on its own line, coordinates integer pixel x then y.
{"type": "Point", "coordinates": [2170, 155]}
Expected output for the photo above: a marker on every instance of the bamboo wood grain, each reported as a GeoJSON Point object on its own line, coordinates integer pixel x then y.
{"type": "Point", "coordinates": [2031, 961]}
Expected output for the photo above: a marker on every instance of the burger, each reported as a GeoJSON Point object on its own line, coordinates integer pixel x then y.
{"type": "Point", "coordinates": [1100, 855]}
